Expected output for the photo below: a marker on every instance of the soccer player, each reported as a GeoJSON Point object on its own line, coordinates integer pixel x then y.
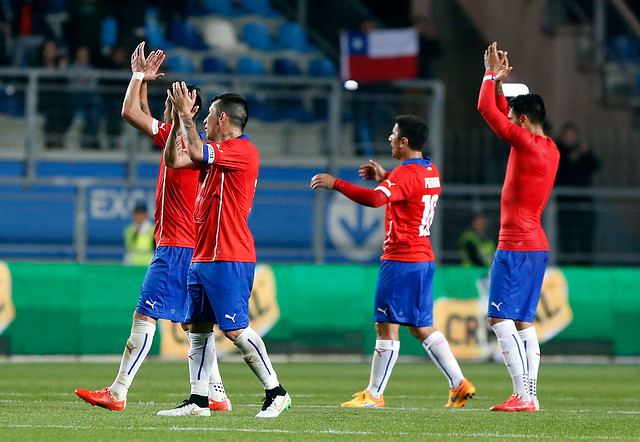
{"type": "Point", "coordinates": [523, 251]}
{"type": "Point", "coordinates": [404, 292]}
{"type": "Point", "coordinates": [221, 273]}
{"type": "Point", "coordinates": [164, 290]}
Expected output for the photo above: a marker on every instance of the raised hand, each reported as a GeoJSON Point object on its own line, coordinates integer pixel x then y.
{"type": "Point", "coordinates": [152, 64]}
{"type": "Point", "coordinates": [372, 171]}
{"type": "Point", "coordinates": [322, 180]}
{"type": "Point", "coordinates": [492, 60]}
{"type": "Point", "coordinates": [505, 68]}
{"type": "Point", "coordinates": [137, 59]}
{"type": "Point", "coordinates": [181, 99]}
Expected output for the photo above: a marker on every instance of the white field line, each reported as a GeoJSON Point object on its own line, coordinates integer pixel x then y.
{"type": "Point", "coordinates": [376, 410]}
{"type": "Point", "coordinates": [328, 431]}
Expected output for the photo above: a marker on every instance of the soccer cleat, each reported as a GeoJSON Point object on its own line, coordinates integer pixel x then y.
{"type": "Point", "coordinates": [186, 409]}
{"type": "Point", "coordinates": [275, 402]}
{"type": "Point", "coordinates": [365, 400]}
{"type": "Point", "coordinates": [102, 398]}
{"type": "Point", "coordinates": [459, 396]}
{"type": "Point", "coordinates": [220, 405]}
{"type": "Point", "coordinates": [536, 404]}
{"type": "Point", "coordinates": [515, 403]}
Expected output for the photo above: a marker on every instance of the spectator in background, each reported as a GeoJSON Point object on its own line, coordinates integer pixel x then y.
{"type": "Point", "coordinates": [475, 248]}
{"type": "Point", "coordinates": [430, 47]}
{"type": "Point", "coordinates": [111, 94]}
{"type": "Point", "coordinates": [84, 26]}
{"type": "Point", "coordinates": [54, 104]}
{"type": "Point", "coordinates": [575, 213]}
{"type": "Point", "coordinates": [30, 29]}
{"type": "Point", "coordinates": [138, 238]}
{"type": "Point", "coordinates": [84, 97]}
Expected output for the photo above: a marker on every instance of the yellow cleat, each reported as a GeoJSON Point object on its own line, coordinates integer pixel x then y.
{"type": "Point", "coordinates": [365, 400]}
{"type": "Point", "coordinates": [458, 396]}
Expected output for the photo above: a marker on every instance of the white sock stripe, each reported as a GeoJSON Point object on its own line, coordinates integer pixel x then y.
{"type": "Point", "coordinates": [437, 361]}
{"type": "Point", "coordinates": [140, 353]}
{"type": "Point", "coordinates": [387, 344]}
{"type": "Point", "coordinates": [522, 359]}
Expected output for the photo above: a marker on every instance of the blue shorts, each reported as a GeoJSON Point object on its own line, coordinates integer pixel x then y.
{"type": "Point", "coordinates": [516, 280]}
{"type": "Point", "coordinates": [219, 292]}
{"type": "Point", "coordinates": [404, 293]}
{"type": "Point", "coordinates": [164, 290]}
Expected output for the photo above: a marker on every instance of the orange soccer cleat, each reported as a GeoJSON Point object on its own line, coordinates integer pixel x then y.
{"type": "Point", "coordinates": [515, 403]}
{"type": "Point", "coordinates": [102, 398]}
{"type": "Point", "coordinates": [459, 396]}
{"type": "Point", "coordinates": [365, 400]}
{"type": "Point", "coordinates": [220, 405]}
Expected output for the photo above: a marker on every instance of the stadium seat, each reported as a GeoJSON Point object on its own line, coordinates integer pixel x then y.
{"type": "Point", "coordinates": [259, 108]}
{"type": "Point", "coordinates": [285, 66]}
{"type": "Point", "coordinates": [322, 67]}
{"type": "Point", "coordinates": [220, 33]}
{"type": "Point", "coordinates": [257, 37]}
{"type": "Point", "coordinates": [214, 65]}
{"type": "Point", "coordinates": [153, 29]}
{"type": "Point", "coordinates": [259, 7]}
{"type": "Point", "coordinates": [220, 7]}
{"type": "Point", "coordinates": [625, 49]}
{"type": "Point", "coordinates": [185, 34]}
{"type": "Point", "coordinates": [250, 66]}
{"type": "Point", "coordinates": [292, 36]}
{"type": "Point", "coordinates": [180, 63]}
{"type": "Point", "coordinates": [109, 32]}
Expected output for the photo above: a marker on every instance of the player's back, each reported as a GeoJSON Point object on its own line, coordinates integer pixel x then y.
{"type": "Point", "coordinates": [225, 197]}
{"type": "Point", "coordinates": [413, 190]}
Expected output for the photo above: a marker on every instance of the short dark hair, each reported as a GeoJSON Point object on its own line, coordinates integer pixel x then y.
{"type": "Point", "coordinates": [191, 88]}
{"type": "Point", "coordinates": [413, 129]}
{"type": "Point", "coordinates": [530, 105]}
{"type": "Point", "coordinates": [140, 208]}
{"type": "Point", "coordinates": [235, 106]}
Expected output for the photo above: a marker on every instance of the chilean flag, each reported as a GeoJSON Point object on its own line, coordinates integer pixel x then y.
{"type": "Point", "coordinates": [379, 55]}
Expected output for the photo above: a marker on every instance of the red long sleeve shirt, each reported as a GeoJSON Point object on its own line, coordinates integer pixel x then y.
{"type": "Point", "coordinates": [531, 171]}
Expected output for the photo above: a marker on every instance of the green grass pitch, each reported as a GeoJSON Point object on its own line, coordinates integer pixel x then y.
{"type": "Point", "coordinates": [579, 402]}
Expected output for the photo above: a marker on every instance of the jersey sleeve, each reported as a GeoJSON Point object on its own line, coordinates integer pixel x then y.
{"type": "Point", "coordinates": [516, 136]}
{"type": "Point", "coordinates": [394, 186]}
{"type": "Point", "coordinates": [361, 195]}
{"type": "Point", "coordinates": [502, 103]}
{"type": "Point", "coordinates": [230, 155]}
{"type": "Point", "coordinates": [160, 132]}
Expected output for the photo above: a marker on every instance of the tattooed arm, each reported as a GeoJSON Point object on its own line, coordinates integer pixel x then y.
{"type": "Point", "coordinates": [183, 104]}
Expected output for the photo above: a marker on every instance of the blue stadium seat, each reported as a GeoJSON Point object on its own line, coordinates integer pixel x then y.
{"type": "Point", "coordinates": [155, 34]}
{"type": "Point", "coordinates": [250, 66]}
{"type": "Point", "coordinates": [625, 49]}
{"type": "Point", "coordinates": [259, 108]}
{"type": "Point", "coordinates": [257, 37]}
{"type": "Point", "coordinates": [292, 36]}
{"type": "Point", "coordinates": [322, 67]}
{"type": "Point", "coordinates": [259, 7]}
{"type": "Point", "coordinates": [180, 63]}
{"type": "Point", "coordinates": [109, 32]}
{"type": "Point", "coordinates": [214, 65]}
{"type": "Point", "coordinates": [220, 7]}
{"type": "Point", "coordinates": [285, 66]}
{"type": "Point", "coordinates": [185, 34]}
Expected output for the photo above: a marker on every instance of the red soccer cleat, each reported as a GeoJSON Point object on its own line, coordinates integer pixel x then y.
{"type": "Point", "coordinates": [102, 398]}
{"type": "Point", "coordinates": [220, 405]}
{"type": "Point", "coordinates": [515, 403]}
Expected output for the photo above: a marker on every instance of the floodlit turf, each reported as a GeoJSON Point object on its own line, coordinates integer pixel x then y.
{"type": "Point", "coordinates": [578, 402]}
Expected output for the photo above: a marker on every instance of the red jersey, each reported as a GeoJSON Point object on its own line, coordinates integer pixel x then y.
{"type": "Point", "coordinates": [226, 187]}
{"type": "Point", "coordinates": [175, 198]}
{"type": "Point", "coordinates": [531, 171]}
{"type": "Point", "coordinates": [412, 190]}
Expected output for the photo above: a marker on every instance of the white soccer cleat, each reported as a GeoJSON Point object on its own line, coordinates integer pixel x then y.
{"type": "Point", "coordinates": [186, 409]}
{"type": "Point", "coordinates": [536, 404]}
{"type": "Point", "coordinates": [275, 402]}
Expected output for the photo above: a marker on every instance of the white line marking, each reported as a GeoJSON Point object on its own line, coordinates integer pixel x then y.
{"type": "Point", "coordinates": [329, 431]}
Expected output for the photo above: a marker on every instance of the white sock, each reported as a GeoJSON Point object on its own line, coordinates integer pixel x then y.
{"type": "Point", "coordinates": [514, 355]}
{"type": "Point", "coordinates": [438, 349]}
{"type": "Point", "coordinates": [136, 350]}
{"type": "Point", "coordinates": [188, 336]}
{"type": "Point", "coordinates": [201, 354]}
{"type": "Point", "coordinates": [216, 388]}
{"type": "Point", "coordinates": [385, 356]}
{"type": "Point", "coordinates": [255, 355]}
{"type": "Point", "coordinates": [532, 348]}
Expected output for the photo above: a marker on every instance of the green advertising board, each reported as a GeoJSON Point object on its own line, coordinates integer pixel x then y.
{"type": "Point", "coordinates": [77, 309]}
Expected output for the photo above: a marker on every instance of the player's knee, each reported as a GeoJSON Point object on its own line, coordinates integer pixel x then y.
{"type": "Point", "coordinates": [233, 334]}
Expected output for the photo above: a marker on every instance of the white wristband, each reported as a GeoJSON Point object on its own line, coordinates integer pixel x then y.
{"type": "Point", "coordinates": [137, 76]}
{"type": "Point", "coordinates": [489, 77]}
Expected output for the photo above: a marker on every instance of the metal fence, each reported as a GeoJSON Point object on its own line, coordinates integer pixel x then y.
{"type": "Point", "coordinates": [72, 170]}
